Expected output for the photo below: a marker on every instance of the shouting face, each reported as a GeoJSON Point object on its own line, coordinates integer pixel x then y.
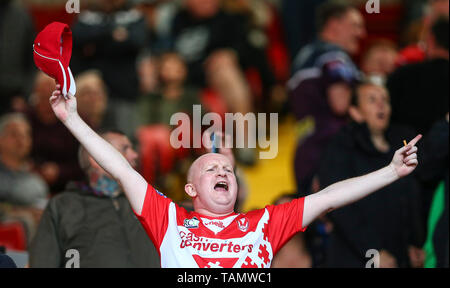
{"type": "Point", "coordinates": [212, 185]}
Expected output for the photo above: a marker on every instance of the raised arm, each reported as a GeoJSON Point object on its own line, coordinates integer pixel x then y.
{"type": "Point", "coordinates": [351, 190]}
{"type": "Point", "coordinates": [112, 161]}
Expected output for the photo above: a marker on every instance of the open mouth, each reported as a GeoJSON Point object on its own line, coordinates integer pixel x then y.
{"type": "Point", "coordinates": [221, 186]}
{"type": "Point", "coordinates": [381, 116]}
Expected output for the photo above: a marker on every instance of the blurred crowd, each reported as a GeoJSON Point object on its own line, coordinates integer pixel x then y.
{"type": "Point", "coordinates": [357, 85]}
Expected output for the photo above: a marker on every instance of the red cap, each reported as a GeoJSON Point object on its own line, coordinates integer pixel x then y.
{"type": "Point", "coordinates": [52, 51]}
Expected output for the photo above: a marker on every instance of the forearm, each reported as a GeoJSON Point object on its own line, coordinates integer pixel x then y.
{"type": "Point", "coordinates": [103, 152]}
{"type": "Point", "coordinates": [111, 160]}
{"type": "Point", "coordinates": [346, 192]}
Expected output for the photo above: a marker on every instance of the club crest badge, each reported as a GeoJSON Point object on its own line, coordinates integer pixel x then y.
{"type": "Point", "coordinates": [243, 224]}
{"type": "Point", "coordinates": [191, 223]}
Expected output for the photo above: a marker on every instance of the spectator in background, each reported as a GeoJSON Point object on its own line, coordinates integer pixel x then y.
{"type": "Point", "coordinates": [158, 16]}
{"type": "Point", "coordinates": [379, 59]}
{"type": "Point", "coordinates": [94, 217]}
{"type": "Point", "coordinates": [213, 43]}
{"type": "Point", "coordinates": [92, 98]}
{"type": "Point", "coordinates": [23, 194]}
{"type": "Point", "coordinates": [264, 56]}
{"type": "Point", "coordinates": [201, 30]}
{"type": "Point", "coordinates": [320, 88]}
{"type": "Point", "coordinates": [294, 253]}
{"type": "Point", "coordinates": [417, 31]}
{"type": "Point", "coordinates": [298, 20]}
{"type": "Point", "coordinates": [54, 148]}
{"type": "Point", "coordinates": [420, 91]}
{"type": "Point", "coordinates": [172, 95]}
{"type": "Point", "coordinates": [363, 145]}
{"type": "Point", "coordinates": [435, 169]}
{"type": "Point", "coordinates": [16, 61]}
{"type": "Point", "coordinates": [109, 38]}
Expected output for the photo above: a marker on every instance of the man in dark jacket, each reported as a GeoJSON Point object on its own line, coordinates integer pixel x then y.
{"type": "Point", "coordinates": [92, 223]}
{"type": "Point", "coordinates": [110, 39]}
{"type": "Point", "coordinates": [423, 87]}
{"type": "Point", "coordinates": [435, 171]}
{"type": "Point", "coordinates": [16, 61]}
{"type": "Point", "coordinates": [387, 221]}
{"type": "Point", "coordinates": [320, 86]}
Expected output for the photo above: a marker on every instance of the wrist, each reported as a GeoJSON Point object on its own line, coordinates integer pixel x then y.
{"type": "Point", "coordinates": [393, 172]}
{"type": "Point", "coordinates": [71, 118]}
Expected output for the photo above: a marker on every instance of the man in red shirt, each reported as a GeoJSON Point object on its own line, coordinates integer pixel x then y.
{"type": "Point", "coordinates": [214, 235]}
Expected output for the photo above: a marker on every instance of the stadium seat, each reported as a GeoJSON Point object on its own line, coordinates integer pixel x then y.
{"type": "Point", "coordinates": [12, 236]}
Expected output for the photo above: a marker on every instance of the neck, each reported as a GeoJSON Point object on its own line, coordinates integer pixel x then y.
{"type": "Point", "coordinates": [379, 141]}
{"type": "Point", "coordinates": [11, 162]}
{"type": "Point", "coordinates": [173, 91]}
{"type": "Point", "coordinates": [208, 213]}
{"type": "Point", "coordinates": [329, 37]}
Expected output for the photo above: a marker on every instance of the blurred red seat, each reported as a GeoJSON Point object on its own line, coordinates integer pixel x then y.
{"type": "Point", "coordinates": [43, 15]}
{"type": "Point", "coordinates": [212, 102]}
{"type": "Point", "coordinates": [158, 157]}
{"type": "Point", "coordinates": [12, 236]}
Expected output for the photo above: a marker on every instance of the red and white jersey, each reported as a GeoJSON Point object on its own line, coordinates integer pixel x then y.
{"type": "Point", "coordinates": [188, 239]}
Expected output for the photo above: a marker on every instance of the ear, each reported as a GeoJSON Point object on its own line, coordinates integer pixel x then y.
{"type": "Point", "coordinates": [190, 190]}
{"type": "Point", "coordinates": [355, 114]}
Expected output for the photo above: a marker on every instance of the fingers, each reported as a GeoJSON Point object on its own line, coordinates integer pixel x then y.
{"type": "Point", "coordinates": [410, 157]}
{"type": "Point", "coordinates": [415, 140]}
{"type": "Point", "coordinates": [411, 150]}
{"type": "Point", "coordinates": [410, 147]}
{"type": "Point", "coordinates": [413, 162]}
{"type": "Point", "coordinates": [404, 149]}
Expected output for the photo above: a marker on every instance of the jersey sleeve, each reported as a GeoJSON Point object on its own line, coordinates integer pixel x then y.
{"type": "Point", "coordinates": [154, 215]}
{"type": "Point", "coordinates": [285, 221]}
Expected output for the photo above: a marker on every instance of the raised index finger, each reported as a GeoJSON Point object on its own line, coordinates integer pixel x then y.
{"type": "Point", "coordinates": [415, 140]}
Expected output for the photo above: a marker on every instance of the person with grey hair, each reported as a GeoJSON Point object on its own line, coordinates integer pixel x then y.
{"type": "Point", "coordinates": [95, 218]}
{"type": "Point", "coordinates": [17, 184]}
{"type": "Point", "coordinates": [23, 194]}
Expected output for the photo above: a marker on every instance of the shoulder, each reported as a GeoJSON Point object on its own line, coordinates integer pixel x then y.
{"type": "Point", "coordinates": [407, 71]}
{"type": "Point", "coordinates": [6, 262]}
{"type": "Point", "coordinates": [67, 202]}
{"type": "Point", "coordinates": [345, 137]}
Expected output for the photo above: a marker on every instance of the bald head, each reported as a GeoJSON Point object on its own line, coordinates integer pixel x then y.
{"type": "Point", "coordinates": [202, 161]}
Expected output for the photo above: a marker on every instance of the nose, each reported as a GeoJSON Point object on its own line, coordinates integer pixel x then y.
{"type": "Point", "coordinates": [222, 172]}
{"type": "Point", "coordinates": [134, 154]}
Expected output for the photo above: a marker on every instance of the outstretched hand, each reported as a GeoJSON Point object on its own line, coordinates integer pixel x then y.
{"type": "Point", "coordinates": [62, 107]}
{"type": "Point", "coordinates": [405, 158]}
